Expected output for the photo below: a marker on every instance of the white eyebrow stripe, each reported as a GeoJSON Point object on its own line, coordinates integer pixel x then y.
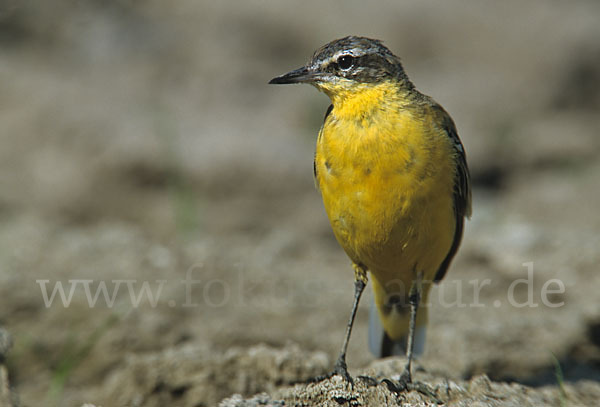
{"type": "Point", "coordinates": [355, 52]}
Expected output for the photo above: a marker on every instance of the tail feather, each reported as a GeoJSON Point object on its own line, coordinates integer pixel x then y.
{"type": "Point", "coordinates": [381, 345]}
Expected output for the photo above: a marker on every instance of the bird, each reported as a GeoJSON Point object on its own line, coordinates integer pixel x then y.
{"type": "Point", "coordinates": [395, 184]}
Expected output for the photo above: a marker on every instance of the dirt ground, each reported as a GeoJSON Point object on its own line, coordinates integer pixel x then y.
{"type": "Point", "coordinates": [142, 149]}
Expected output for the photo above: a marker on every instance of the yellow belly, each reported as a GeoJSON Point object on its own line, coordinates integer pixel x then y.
{"type": "Point", "coordinates": [387, 190]}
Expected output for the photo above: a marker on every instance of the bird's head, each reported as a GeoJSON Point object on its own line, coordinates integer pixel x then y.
{"type": "Point", "coordinates": [346, 66]}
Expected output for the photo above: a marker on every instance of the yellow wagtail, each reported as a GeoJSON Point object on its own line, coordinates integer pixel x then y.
{"type": "Point", "coordinates": [395, 184]}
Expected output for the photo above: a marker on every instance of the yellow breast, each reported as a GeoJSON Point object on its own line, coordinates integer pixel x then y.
{"type": "Point", "coordinates": [386, 175]}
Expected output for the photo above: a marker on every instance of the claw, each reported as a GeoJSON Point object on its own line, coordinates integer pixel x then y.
{"type": "Point", "coordinates": [406, 378]}
{"type": "Point", "coordinates": [369, 381]}
{"type": "Point", "coordinates": [405, 383]}
{"type": "Point", "coordinates": [339, 369]}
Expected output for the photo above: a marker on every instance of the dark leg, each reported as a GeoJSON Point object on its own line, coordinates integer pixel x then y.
{"type": "Point", "coordinates": [405, 382]}
{"type": "Point", "coordinates": [414, 299]}
{"type": "Point", "coordinates": [340, 365]}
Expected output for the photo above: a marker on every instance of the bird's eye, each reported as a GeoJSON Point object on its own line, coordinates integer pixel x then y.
{"type": "Point", "coordinates": [345, 62]}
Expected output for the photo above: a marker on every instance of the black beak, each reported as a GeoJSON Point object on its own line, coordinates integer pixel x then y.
{"type": "Point", "coordinates": [300, 75]}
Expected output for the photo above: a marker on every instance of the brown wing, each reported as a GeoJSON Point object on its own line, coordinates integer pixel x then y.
{"type": "Point", "coordinates": [462, 192]}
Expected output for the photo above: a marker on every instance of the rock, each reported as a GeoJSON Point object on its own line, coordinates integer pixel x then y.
{"type": "Point", "coordinates": [480, 385]}
{"type": "Point", "coordinates": [480, 391]}
{"type": "Point", "coordinates": [260, 400]}
{"type": "Point", "coordinates": [193, 374]}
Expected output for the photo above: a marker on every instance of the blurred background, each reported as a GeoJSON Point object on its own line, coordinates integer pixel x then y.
{"type": "Point", "coordinates": [141, 142]}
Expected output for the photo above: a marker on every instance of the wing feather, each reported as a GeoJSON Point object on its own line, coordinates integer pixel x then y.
{"type": "Point", "coordinates": [461, 195]}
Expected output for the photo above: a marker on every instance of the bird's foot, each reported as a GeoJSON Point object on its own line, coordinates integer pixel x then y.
{"type": "Point", "coordinates": [369, 381]}
{"type": "Point", "coordinates": [406, 378]}
{"type": "Point", "coordinates": [405, 383]}
{"type": "Point", "coordinates": [340, 369]}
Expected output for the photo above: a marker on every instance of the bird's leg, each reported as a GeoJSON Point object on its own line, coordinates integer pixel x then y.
{"type": "Point", "coordinates": [405, 383]}
{"type": "Point", "coordinates": [340, 366]}
{"type": "Point", "coordinates": [414, 298]}
{"type": "Point", "coordinates": [360, 282]}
